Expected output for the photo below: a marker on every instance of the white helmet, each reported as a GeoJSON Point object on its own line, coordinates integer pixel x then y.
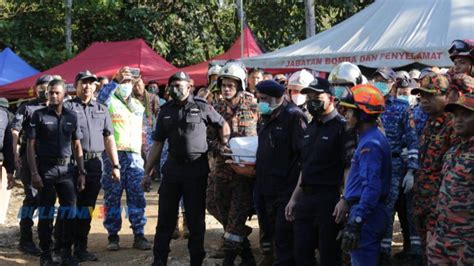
{"type": "Point", "coordinates": [214, 70]}
{"type": "Point", "coordinates": [345, 73]}
{"type": "Point", "coordinates": [402, 74]}
{"type": "Point", "coordinates": [414, 73]}
{"type": "Point", "coordinates": [233, 71]}
{"type": "Point", "coordinates": [299, 80]}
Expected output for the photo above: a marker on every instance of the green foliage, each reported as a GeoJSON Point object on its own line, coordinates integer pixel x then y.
{"type": "Point", "coordinates": [184, 32]}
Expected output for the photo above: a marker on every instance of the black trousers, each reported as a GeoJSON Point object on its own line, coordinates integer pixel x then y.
{"type": "Point", "coordinates": [276, 228]}
{"type": "Point", "coordinates": [58, 182]}
{"type": "Point", "coordinates": [30, 202]}
{"type": "Point", "coordinates": [193, 191]}
{"type": "Point", "coordinates": [314, 226]}
{"type": "Point", "coordinates": [86, 201]}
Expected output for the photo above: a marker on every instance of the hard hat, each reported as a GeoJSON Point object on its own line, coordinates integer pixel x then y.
{"type": "Point", "coordinates": [414, 73]}
{"type": "Point", "coordinates": [232, 71]}
{"type": "Point", "coordinates": [365, 97]}
{"type": "Point", "coordinates": [299, 80]}
{"type": "Point", "coordinates": [345, 73]}
{"type": "Point", "coordinates": [213, 70]}
{"type": "Point", "coordinates": [402, 74]}
{"type": "Point", "coordinates": [462, 48]}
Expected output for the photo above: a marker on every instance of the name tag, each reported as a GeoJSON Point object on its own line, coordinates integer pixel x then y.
{"type": "Point", "coordinates": [306, 136]}
{"type": "Point", "coordinates": [167, 117]}
{"type": "Point", "coordinates": [48, 123]}
{"type": "Point", "coordinates": [68, 123]}
{"type": "Point", "coordinates": [279, 128]}
{"type": "Point", "coordinates": [325, 138]}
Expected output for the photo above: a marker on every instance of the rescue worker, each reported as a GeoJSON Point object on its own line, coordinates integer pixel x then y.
{"type": "Point", "coordinates": [229, 195]}
{"type": "Point", "coordinates": [280, 140]}
{"type": "Point", "coordinates": [255, 75]}
{"type": "Point", "coordinates": [400, 131]}
{"type": "Point", "coordinates": [453, 236]}
{"type": "Point", "coordinates": [53, 135]}
{"type": "Point", "coordinates": [127, 121]}
{"type": "Point", "coordinates": [183, 122]}
{"type": "Point", "coordinates": [436, 139]}
{"type": "Point", "coordinates": [460, 84]}
{"type": "Point", "coordinates": [317, 193]}
{"type": "Point", "coordinates": [462, 55]}
{"type": "Point", "coordinates": [19, 126]}
{"type": "Point", "coordinates": [97, 131]}
{"type": "Point", "coordinates": [297, 81]}
{"type": "Point", "coordinates": [213, 73]}
{"type": "Point", "coordinates": [343, 77]}
{"type": "Point", "coordinates": [368, 183]}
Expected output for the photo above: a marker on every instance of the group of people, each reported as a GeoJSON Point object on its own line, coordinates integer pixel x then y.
{"type": "Point", "coordinates": [336, 158]}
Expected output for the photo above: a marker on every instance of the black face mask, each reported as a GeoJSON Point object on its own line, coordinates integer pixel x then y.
{"type": "Point", "coordinates": [315, 107]}
{"type": "Point", "coordinates": [42, 95]}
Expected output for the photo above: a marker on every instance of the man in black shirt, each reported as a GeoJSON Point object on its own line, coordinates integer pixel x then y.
{"type": "Point", "coordinates": [317, 193]}
{"type": "Point", "coordinates": [183, 121]}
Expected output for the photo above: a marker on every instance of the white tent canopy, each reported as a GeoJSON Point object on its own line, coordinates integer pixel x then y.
{"type": "Point", "coordinates": [389, 33]}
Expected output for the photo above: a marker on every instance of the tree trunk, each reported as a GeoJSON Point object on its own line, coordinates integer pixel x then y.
{"type": "Point", "coordinates": [309, 18]}
{"type": "Point", "coordinates": [68, 4]}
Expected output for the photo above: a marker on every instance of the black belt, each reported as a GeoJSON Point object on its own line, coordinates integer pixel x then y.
{"type": "Point", "coordinates": [55, 161]}
{"type": "Point", "coordinates": [353, 202]}
{"type": "Point", "coordinates": [91, 155]}
{"type": "Point", "coordinates": [181, 159]}
{"type": "Point", "coordinates": [313, 189]}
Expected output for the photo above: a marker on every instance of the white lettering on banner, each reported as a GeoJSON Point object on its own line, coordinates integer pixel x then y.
{"type": "Point", "coordinates": [386, 56]}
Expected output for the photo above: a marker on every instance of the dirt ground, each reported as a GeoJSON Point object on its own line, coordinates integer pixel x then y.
{"type": "Point", "coordinates": [9, 237]}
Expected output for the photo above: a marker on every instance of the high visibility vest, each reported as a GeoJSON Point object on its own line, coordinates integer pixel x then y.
{"type": "Point", "coordinates": [127, 124]}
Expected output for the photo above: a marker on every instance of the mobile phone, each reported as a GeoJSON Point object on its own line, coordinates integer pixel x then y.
{"type": "Point", "coordinates": [135, 72]}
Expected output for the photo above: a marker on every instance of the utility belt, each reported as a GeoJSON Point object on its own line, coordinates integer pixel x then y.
{"type": "Point", "coordinates": [186, 160]}
{"type": "Point", "coordinates": [91, 155]}
{"type": "Point", "coordinates": [353, 202]}
{"type": "Point", "coordinates": [55, 160]}
{"type": "Point", "coordinates": [318, 189]}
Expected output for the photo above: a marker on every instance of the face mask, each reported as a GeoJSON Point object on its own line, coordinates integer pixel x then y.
{"type": "Point", "coordinates": [125, 90]}
{"type": "Point", "coordinates": [177, 93]}
{"type": "Point", "coordinates": [340, 92]}
{"type": "Point", "coordinates": [404, 98]}
{"type": "Point", "coordinates": [315, 107]}
{"type": "Point", "coordinates": [42, 95]}
{"type": "Point", "coordinates": [412, 100]}
{"type": "Point", "coordinates": [298, 99]}
{"type": "Point", "coordinates": [383, 87]}
{"type": "Point", "coordinates": [264, 108]}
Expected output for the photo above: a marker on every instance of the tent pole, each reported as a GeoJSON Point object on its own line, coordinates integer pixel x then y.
{"type": "Point", "coordinates": [240, 6]}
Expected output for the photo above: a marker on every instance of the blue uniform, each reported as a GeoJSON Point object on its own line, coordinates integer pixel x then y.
{"type": "Point", "coordinates": [420, 118]}
{"type": "Point", "coordinates": [400, 130]}
{"type": "Point", "coordinates": [367, 188]}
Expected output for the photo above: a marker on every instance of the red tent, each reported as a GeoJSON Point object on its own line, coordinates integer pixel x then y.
{"type": "Point", "coordinates": [198, 72]}
{"type": "Point", "coordinates": [101, 58]}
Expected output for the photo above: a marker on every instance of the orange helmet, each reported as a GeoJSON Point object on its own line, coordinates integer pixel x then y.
{"type": "Point", "coordinates": [366, 98]}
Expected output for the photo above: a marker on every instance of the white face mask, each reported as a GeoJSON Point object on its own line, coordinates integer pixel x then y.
{"type": "Point", "coordinates": [125, 90]}
{"type": "Point", "coordinates": [298, 99]}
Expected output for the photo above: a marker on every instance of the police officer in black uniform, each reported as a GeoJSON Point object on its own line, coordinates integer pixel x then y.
{"type": "Point", "coordinates": [183, 121]}
{"type": "Point", "coordinates": [52, 136]}
{"type": "Point", "coordinates": [20, 124]}
{"type": "Point", "coordinates": [6, 147]}
{"type": "Point", "coordinates": [317, 193]}
{"type": "Point", "coordinates": [280, 138]}
{"type": "Point", "coordinates": [97, 136]}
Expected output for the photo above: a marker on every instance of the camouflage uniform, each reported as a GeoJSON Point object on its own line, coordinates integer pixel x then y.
{"type": "Point", "coordinates": [229, 196]}
{"type": "Point", "coordinates": [399, 126]}
{"type": "Point", "coordinates": [436, 139]}
{"type": "Point", "coordinates": [453, 237]}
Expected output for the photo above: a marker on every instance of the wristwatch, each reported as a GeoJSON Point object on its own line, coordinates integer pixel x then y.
{"type": "Point", "coordinates": [117, 166]}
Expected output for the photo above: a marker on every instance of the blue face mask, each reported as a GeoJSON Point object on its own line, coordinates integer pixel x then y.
{"type": "Point", "coordinates": [383, 87]}
{"type": "Point", "coordinates": [404, 98]}
{"type": "Point", "coordinates": [339, 91]}
{"type": "Point", "coordinates": [125, 90]}
{"type": "Point", "coordinates": [264, 108]}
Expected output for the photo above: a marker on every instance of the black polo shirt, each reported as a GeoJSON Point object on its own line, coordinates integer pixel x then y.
{"type": "Point", "coordinates": [324, 151]}
{"type": "Point", "coordinates": [185, 126]}
{"type": "Point", "coordinates": [280, 139]}
{"type": "Point", "coordinates": [54, 133]}
{"type": "Point", "coordinates": [6, 146]}
{"type": "Point", "coordinates": [22, 118]}
{"type": "Point", "coordinates": [94, 121]}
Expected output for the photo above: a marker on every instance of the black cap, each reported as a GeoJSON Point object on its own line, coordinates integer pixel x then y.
{"type": "Point", "coordinates": [387, 73]}
{"type": "Point", "coordinates": [179, 76]}
{"type": "Point", "coordinates": [85, 75]}
{"type": "Point", "coordinates": [271, 88]}
{"type": "Point", "coordinates": [319, 85]}
{"type": "Point", "coordinates": [45, 79]}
